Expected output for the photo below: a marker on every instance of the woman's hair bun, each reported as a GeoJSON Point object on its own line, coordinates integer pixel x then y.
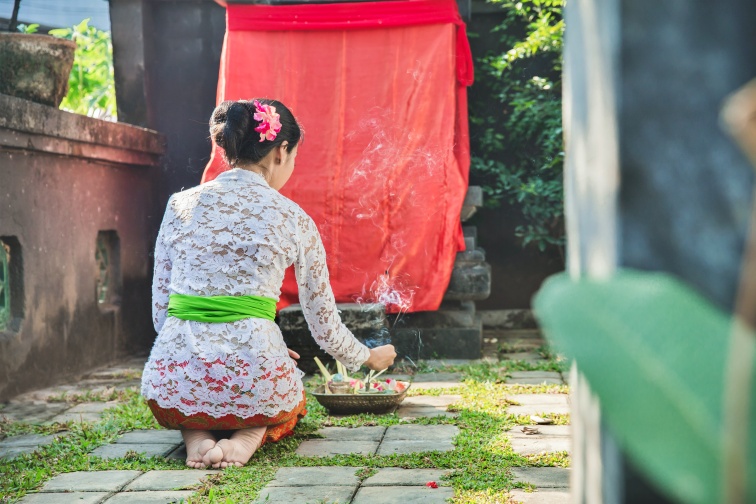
{"type": "Point", "coordinates": [229, 126]}
{"type": "Point", "coordinates": [232, 127]}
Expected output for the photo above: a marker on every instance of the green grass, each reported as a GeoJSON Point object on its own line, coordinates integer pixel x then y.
{"type": "Point", "coordinates": [479, 463]}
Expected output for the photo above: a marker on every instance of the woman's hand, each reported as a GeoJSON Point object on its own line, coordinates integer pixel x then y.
{"type": "Point", "coordinates": [294, 355]}
{"type": "Point", "coordinates": [381, 357]}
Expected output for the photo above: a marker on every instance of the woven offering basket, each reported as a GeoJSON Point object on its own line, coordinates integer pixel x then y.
{"type": "Point", "coordinates": [350, 404]}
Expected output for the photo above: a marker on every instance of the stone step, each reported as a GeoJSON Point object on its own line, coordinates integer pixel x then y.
{"type": "Point", "coordinates": [437, 342]}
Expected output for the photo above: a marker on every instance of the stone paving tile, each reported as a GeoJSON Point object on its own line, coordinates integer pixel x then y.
{"type": "Point", "coordinates": [315, 476]}
{"type": "Point", "coordinates": [539, 409]}
{"type": "Point", "coordinates": [84, 412]}
{"type": "Point", "coordinates": [27, 440]}
{"type": "Point", "coordinates": [57, 498]}
{"type": "Point", "coordinates": [552, 438]}
{"type": "Point", "coordinates": [169, 480]}
{"type": "Point", "coordinates": [18, 445]}
{"type": "Point", "coordinates": [353, 434]}
{"type": "Point", "coordinates": [90, 481]}
{"type": "Point", "coordinates": [161, 497]}
{"type": "Point", "coordinates": [326, 448]}
{"type": "Point", "coordinates": [532, 357]}
{"type": "Point", "coordinates": [421, 432]}
{"type": "Point", "coordinates": [307, 495]}
{"type": "Point", "coordinates": [534, 378]}
{"type": "Point", "coordinates": [15, 451]}
{"type": "Point", "coordinates": [151, 437]}
{"type": "Point", "coordinates": [437, 380]}
{"type": "Point", "coordinates": [543, 477]}
{"type": "Point", "coordinates": [541, 497]}
{"type": "Point", "coordinates": [394, 476]}
{"type": "Point", "coordinates": [120, 450]}
{"type": "Point", "coordinates": [178, 454]}
{"type": "Point", "coordinates": [33, 413]}
{"type": "Point", "coordinates": [539, 399]}
{"type": "Point", "coordinates": [403, 495]}
{"type": "Point", "coordinates": [403, 446]}
{"type": "Point", "coordinates": [427, 406]}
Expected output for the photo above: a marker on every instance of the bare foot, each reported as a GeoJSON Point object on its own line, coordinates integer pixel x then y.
{"type": "Point", "coordinates": [239, 449]}
{"type": "Point", "coordinates": [198, 444]}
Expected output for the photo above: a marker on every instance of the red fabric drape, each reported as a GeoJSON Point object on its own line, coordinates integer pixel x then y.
{"type": "Point", "coordinates": [380, 90]}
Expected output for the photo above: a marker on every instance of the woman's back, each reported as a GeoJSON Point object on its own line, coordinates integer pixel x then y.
{"type": "Point", "coordinates": [233, 236]}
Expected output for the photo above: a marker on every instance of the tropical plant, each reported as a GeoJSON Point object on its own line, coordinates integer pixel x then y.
{"type": "Point", "coordinates": [91, 86]}
{"type": "Point", "coordinates": [517, 147]}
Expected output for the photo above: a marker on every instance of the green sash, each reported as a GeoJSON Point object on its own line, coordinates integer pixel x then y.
{"type": "Point", "coordinates": [220, 308]}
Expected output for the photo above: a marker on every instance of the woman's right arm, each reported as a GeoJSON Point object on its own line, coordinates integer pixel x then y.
{"type": "Point", "coordinates": [319, 306]}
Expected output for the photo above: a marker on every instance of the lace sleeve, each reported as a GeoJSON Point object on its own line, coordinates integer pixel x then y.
{"type": "Point", "coordinates": [161, 278]}
{"type": "Point", "coordinates": [318, 302]}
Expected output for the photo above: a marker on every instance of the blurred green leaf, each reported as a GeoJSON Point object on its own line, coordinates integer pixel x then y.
{"type": "Point", "coordinates": [654, 352]}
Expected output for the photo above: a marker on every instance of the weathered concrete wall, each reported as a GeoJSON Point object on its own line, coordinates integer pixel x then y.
{"type": "Point", "coordinates": [63, 179]}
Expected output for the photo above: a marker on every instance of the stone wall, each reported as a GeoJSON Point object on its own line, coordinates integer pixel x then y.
{"type": "Point", "coordinates": [75, 193]}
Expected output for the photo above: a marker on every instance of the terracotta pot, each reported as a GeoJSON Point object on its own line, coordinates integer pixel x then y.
{"type": "Point", "coordinates": [35, 67]}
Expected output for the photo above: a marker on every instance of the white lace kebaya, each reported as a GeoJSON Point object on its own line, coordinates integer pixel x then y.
{"type": "Point", "coordinates": [236, 236]}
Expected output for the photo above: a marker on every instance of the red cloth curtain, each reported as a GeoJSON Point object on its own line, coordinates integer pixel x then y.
{"type": "Point", "coordinates": [380, 91]}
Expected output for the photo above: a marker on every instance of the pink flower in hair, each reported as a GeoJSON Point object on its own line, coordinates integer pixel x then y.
{"type": "Point", "coordinates": [270, 123]}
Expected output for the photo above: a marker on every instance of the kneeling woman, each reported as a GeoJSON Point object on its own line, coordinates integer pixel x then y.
{"type": "Point", "coordinates": [219, 362]}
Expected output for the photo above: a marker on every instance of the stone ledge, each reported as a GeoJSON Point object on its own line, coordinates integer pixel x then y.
{"type": "Point", "coordinates": [27, 125]}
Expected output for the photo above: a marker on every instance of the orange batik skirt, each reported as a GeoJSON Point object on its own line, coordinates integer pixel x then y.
{"type": "Point", "coordinates": [279, 426]}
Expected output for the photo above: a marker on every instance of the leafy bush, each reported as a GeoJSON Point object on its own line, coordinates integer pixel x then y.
{"type": "Point", "coordinates": [91, 87]}
{"type": "Point", "coordinates": [517, 148]}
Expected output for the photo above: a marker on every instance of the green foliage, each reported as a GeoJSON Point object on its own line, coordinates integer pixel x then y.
{"type": "Point", "coordinates": [517, 146]}
{"type": "Point", "coordinates": [28, 28]}
{"type": "Point", "coordinates": [91, 87]}
{"type": "Point", "coordinates": [655, 353]}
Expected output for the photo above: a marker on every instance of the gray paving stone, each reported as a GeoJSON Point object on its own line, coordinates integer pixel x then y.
{"type": "Point", "coordinates": [394, 476]}
{"type": "Point", "coordinates": [120, 450]}
{"type": "Point", "coordinates": [552, 438]}
{"type": "Point", "coordinates": [27, 440]}
{"type": "Point", "coordinates": [437, 380]}
{"type": "Point", "coordinates": [57, 498]}
{"type": "Point", "coordinates": [421, 432]}
{"type": "Point", "coordinates": [178, 454]}
{"type": "Point", "coordinates": [353, 434]}
{"type": "Point", "coordinates": [92, 481]}
{"type": "Point", "coordinates": [539, 409]}
{"type": "Point", "coordinates": [532, 357]}
{"type": "Point", "coordinates": [315, 476]}
{"type": "Point", "coordinates": [306, 495]}
{"type": "Point", "coordinates": [402, 446]}
{"type": "Point", "coordinates": [534, 378]}
{"type": "Point", "coordinates": [149, 497]}
{"type": "Point", "coordinates": [427, 406]}
{"type": "Point", "coordinates": [92, 407]}
{"type": "Point", "coordinates": [403, 494]}
{"type": "Point", "coordinates": [151, 437]}
{"type": "Point", "coordinates": [541, 497]}
{"type": "Point", "coordinates": [169, 480]}
{"type": "Point", "coordinates": [543, 477]}
{"type": "Point", "coordinates": [540, 399]}
{"type": "Point", "coordinates": [68, 416]}
{"type": "Point", "coordinates": [15, 451]}
{"type": "Point", "coordinates": [327, 448]}
{"type": "Point", "coordinates": [33, 413]}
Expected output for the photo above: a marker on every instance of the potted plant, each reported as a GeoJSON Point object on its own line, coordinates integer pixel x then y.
{"type": "Point", "coordinates": [33, 66]}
